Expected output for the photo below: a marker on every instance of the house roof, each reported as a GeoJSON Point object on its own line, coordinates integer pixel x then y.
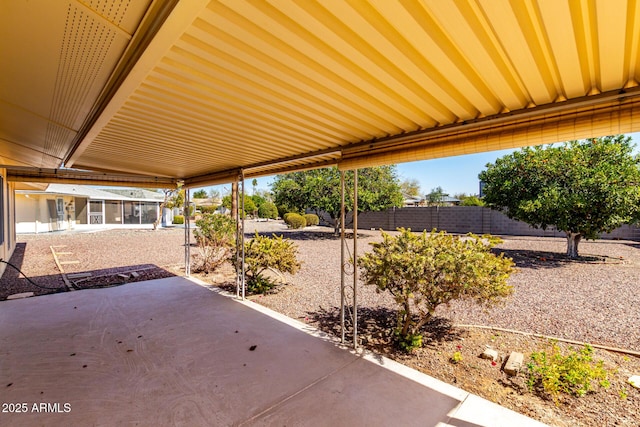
{"type": "Point", "coordinates": [449, 199]}
{"type": "Point", "coordinates": [206, 90]}
{"type": "Point", "coordinates": [92, 193]}
{"type": "Point", "coordinates": [136, 193]}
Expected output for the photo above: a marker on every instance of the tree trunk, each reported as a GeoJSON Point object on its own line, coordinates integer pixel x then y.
{"type": "Point", "coordinates": [573, 239]}
{"type": "Point", "coordinates": [407, 319]}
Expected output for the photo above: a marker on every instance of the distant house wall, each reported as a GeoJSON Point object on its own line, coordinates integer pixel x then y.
{"type": "Point", "coordinates": [41, 213]}
{"type": "Point", "coordinates": [465, 219]}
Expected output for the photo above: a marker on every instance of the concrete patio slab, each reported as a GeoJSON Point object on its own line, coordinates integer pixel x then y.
{"type": "Point", "coordinates": [170, 352]}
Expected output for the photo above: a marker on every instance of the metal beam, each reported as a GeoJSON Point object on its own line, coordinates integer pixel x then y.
{"type": "Point", "coordinates": [74, 176]}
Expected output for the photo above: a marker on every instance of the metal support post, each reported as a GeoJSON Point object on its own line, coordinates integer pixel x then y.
{"type": "Point", "coordinates": [348, 265]}
{"type": "Point", "coordinates": [242, 235]}
{"type": "Point", "coordinates": [355, 259]}
{"type": "Point", "coordinates": [235, 198]}
{"type": "Point", "coordinates": [187, 234]}
{"type": "Point", "coordinates": [342, 258]}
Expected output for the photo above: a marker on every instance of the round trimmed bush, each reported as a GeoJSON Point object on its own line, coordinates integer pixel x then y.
{"type": "Point", "coordinates": [312, 219]}
{"type": "Point", "coordinates": [295, 220]}
{"type": "Point", "coordinates": [208, 209]}
{"type": "Point", "coordinates": [286, 216]}
{"type": "Point", "coordinates": [178, 219]}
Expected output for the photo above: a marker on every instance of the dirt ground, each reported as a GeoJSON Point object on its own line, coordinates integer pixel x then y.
{"type": "Point", "coordinates": [607, 280]}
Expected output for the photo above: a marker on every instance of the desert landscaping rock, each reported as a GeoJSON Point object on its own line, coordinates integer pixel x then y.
{"type": "Point", "coordinates": [514, 363]}
{"type": "Point", "coordinates": [634, 380]}
{"type": "Point", "coordinates": [490, 354]}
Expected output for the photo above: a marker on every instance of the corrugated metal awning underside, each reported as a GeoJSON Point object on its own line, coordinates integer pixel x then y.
{"type": "Point", "coordinates": [230, 87]}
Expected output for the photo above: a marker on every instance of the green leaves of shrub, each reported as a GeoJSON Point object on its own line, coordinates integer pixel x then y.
{"type": "Point", "coordinates": [294, 220]}
{"type": "Point", "coordinates": [215, 236]}
{"type": "Point", "coordinates": [274, 253]}
{"type": "Point", "coordinates": [312, 219]}
{"type": "Point", "coordinates": [551, 373]}
{"type": "Point", "coordinates": [215, 230]}
{"type": "Point", "coordinates": [422, 271]}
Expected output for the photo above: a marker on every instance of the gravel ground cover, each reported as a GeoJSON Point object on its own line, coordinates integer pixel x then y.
{"type": "Point", "coordinates": [596, 300]}
{"type": "Point", "coordinates": [104, 254]}
{"type": "Point", "coordinates": [593, 300]}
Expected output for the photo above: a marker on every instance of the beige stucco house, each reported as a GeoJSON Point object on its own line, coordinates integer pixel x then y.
{"type": "Point", "coordinates": [65, 207]}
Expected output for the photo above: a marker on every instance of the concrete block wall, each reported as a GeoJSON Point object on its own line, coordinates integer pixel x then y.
{"type": "Point", "coordinates": [465, 219]}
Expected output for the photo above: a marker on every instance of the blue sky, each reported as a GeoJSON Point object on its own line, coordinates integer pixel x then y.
{"type": "Point", "coordinates": [455, 175]}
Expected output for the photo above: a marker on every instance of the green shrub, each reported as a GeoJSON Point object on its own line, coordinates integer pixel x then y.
{"type": "Point", "coordinates": [268, 253]}
{"type": "Point", "coordinates": [284, 210]}
{"type": "Point", "coordinates": [208, 209]}
{"type": "Point", "coordinates": [422, 271]}
{"type": "Point", "coordinates": [178, 219]}
{"type": "Point", "coordinates": [268, 210]}
{"type": "Point", "coordinates": [249, 205]}
{"type": "Point", "coordinates": [312, 219]}
{"type": "Point", "coordinates": [215, 236]}
{"type": "Point", "coordinates": [472, 201]}
{"type": "Point", "coordinates": [295, 220]}
{"type": "Point", "coordinates": [286, 216]}
{"type": "Point", "coordinates": [551, 373]}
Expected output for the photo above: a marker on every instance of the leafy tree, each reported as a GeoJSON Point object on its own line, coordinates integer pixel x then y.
{"type": "Point", "coordinates": [410, 187]}
{"type": "Point", "coordinates": [170, 196]}
{"type": "Point", "coordinates": [175, 199]}
{"type": "Point", "coordinates": [422, 271]}
{"type": "Point", "coordinates": [258, 201]}
{"type": "Point", "coordinates": [200, 194]}
{"type": "Point", "coordinates": [268, 210]}
{"type": "Point", "coordinates": [436, 196]}
{"type": "Point", "coordinates": [214, 194]}
{"type": "Point", "coordinates": [319, 190]}
{"type": "Point", "coordinates": [249, 205]}
{"type": "Point", "coordinates": [583, 188]}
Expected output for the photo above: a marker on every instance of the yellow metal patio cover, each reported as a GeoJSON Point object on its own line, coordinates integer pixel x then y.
{"type": "Point", "coordinates": [199, 90]}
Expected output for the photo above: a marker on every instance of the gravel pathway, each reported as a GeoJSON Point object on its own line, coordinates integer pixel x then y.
{"type": "Point", "coordinates": [596, 301]}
